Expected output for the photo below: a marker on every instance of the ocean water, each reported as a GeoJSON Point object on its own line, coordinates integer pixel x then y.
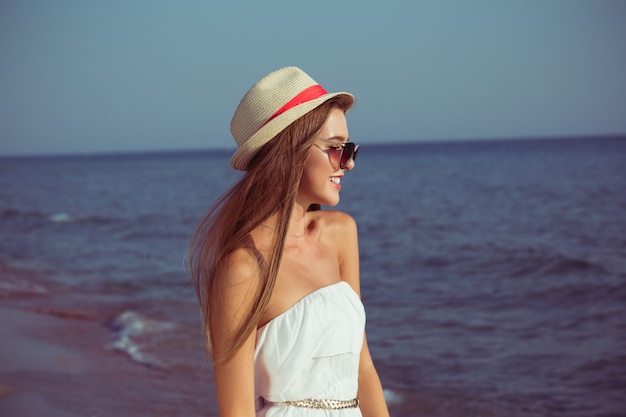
{"type": "Point", "coordinates": [493, 273]}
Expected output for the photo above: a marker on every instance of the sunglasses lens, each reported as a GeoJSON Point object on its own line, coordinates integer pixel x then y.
{"type": "Point", "coordinates": [349, 152]}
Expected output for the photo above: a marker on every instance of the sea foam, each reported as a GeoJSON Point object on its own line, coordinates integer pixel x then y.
{"type": "Point", "coordinates": [133, 332]}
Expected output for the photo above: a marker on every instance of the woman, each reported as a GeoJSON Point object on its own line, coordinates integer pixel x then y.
{"type": "Point", "coordinates": [277, 281]}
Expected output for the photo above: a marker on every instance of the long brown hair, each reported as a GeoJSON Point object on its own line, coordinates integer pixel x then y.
{"type": "Point", "coordinates": [268, 188]}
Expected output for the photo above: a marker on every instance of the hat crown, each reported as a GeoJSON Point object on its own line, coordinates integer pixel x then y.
{"type": "Point", "coordinates": [272, 104]}
{"type": "Point", "coordinates": [265, 98]}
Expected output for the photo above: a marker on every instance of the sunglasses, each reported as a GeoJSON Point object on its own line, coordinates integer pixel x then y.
{"type": "Point", "coordinates": [341, 152]}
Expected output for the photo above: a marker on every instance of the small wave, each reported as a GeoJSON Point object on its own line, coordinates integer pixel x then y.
{"type": "Point", "coordinates": [36, 218]}
{"type": "Point", "coordinates": [19, 282]}
{"type": "Point", "coordinates": [65, 313]}
{"type": "Point", "coordinates": [12, 213]}
{"type": "Point", "coordinates": [9, 289]}
{"type": "Point", "coordinates": [524, 262]}
{"type": "Point", "coordinates": [607, 363]}
{"type": "Point", "coordinates": [8, 213]}
{"type": "Point", "coordinates": [133, 331]}
{"type": "Point", "coordinates": [67, 218]}
{"type": "Point", "coordinates": [564, 265]}
{"type": "Point", "coordinates": [96, 220]}
{"type": "Point", "coordinates": [392, 397]}
{"type": "Point", "coordinates": [61, 218]}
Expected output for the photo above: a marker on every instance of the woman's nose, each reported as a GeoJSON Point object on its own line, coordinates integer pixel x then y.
{"type": "Point", "coordinates": [350, 165]}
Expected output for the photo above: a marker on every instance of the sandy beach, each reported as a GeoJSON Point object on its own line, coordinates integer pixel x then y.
{"type": "Point", "coordinates": [60, 367]}
{"type": "Point", "coordinates": [26, 358]}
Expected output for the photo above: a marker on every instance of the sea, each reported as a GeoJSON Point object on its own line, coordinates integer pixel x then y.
{"type": "Point", "coordinates": [493, 274]}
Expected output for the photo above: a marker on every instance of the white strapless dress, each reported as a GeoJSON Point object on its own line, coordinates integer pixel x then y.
{"type": "Point", "coordinates": [311, 351]}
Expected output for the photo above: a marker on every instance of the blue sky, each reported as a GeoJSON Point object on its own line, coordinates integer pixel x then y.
{"type": "Point", "coordinates": [81, 76]}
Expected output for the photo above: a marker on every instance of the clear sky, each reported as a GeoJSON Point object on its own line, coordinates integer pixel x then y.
{"type": "Point", "coordinates": [91, 76]}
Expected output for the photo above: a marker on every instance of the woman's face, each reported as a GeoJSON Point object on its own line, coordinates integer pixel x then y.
{"type": "Point", "coordinates": [321, 178]}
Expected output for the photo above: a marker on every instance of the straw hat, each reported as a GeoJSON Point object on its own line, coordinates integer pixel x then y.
{"type": "Point", "coordinates": [272, 104]}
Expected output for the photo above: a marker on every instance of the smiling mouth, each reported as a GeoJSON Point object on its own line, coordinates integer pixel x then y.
{"type": "Point", "coordinates": [335, 180]}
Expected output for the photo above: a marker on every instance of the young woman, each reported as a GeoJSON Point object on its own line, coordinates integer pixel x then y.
{"type": "Point", "coordinates": [277, 280]}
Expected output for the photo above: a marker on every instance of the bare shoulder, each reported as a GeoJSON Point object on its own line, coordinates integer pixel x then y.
{"type": "Point", "coordinates": [337, 223]}
{"type": "Point", "coordinates": [238, 280]}
{"type": "Point", "coordinates": [240, 266]}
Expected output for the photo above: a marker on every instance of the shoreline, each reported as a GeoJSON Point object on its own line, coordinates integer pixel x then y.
{"type": "Point", "coordinates": [24, 355]}
{"type": "Point", "coordinates": [59, 366]}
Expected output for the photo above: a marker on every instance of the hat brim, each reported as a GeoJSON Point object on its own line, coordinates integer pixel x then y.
{"type": "Point", "coordinates": [241, 158]}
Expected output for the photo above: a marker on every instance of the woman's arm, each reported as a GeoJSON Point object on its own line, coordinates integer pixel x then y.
{"type": "Point", "coordinates": [234, 377]}
{"type": "Point", "coordinates": [371, 398]}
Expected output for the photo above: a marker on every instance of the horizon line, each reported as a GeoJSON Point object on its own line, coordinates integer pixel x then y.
{"type": "Point", "coordinates": [230, 149]}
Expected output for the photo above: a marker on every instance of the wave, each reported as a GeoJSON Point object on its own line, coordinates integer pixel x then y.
{"type": "Point", "coordinates": [58, 217]}
{"type": "Point", "coordinates": [12, 289]}
{"type": "Point", "coordinates": [524, 262]}
{"type": "Point", "coordinates": [67, 218]}
{"type": "Point", "coordinates": [61, 218]}
{"type": "Point", "coordinates": [133, 334]}
{"type": "Point", "coordinates": [392, 397]}
{"type": "Point", "coordinates": [11, 213]}
{"type": "Point", "coordinates": [20, 282]}
{"type": "Point", "coordinates": [563, 265]}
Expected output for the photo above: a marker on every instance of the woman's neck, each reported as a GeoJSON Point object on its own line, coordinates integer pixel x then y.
{"type": "Point", "coordinates": [298, 223]}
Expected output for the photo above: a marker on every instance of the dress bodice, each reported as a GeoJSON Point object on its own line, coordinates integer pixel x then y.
{"type": "Point", "coordinates": [311, 351]}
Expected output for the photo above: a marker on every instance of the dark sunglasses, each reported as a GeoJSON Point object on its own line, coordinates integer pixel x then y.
{"type": "Point", "coordinates": [343, 152]}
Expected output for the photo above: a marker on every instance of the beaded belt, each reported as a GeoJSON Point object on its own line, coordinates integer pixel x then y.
{"type": "Point", "coordinates": [322, 404]}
